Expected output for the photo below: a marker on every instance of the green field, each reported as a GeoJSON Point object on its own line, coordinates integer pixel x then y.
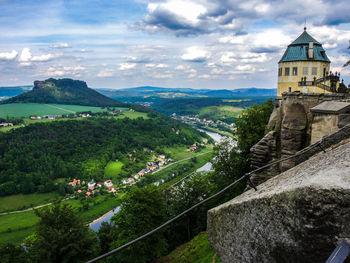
{"type": "Point", "coordinates": [28, 109]}
{"type": "Point", "coordinates": [133, 115]}
{"type": "Point", "coordinates": [16, 227]}
{"type": "Point", "coordinates": [179, 152]}
{"type": "Point", "coordinates": [21, 201]}
{"type": "Point", "coordinates": [112, 169]}
{"type": "Point", "coordinates": [217, 112]}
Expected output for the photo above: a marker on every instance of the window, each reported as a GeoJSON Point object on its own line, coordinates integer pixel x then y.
{"type": "Point", "coordinates": [286, 71]}
{"type": "Point", "coordinates": [314, 71]}
{"type": "Point", "coordinates": [289, 89]}
{"type": "Point", "coordinates": [295, 71]}
{"type": "Point", "coordinates": [280, 72]}
{"type": "Point", "coordinates": [305, 70]}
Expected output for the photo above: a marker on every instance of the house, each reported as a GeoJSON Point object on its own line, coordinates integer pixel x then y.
{"type": "Point", "coordinates": [79, 191]}
{"type": "Point", "coordinates": [153, 168]}
{"type": "Point", "coordinates": [88, 193]}
{"type": "Point", "coordinates": [74, 182]}
{"type": "Point", "coordinates": [162, 156]}
{"type": "Point", "coordinates": [5, 124]}
{"type": "Point", "coordinates": [108, 183]}
{"type": "Point", "coordinates": [129, 181]}
{"type": "Point", "coordinates": [193, 148]}
{"type": "Point", "coordinates": [141, 173]}
{"type": "Point", "coordinates": [137, 176]}
{"type": "Point", "coordinates": [112, 189]}
{"type": "Point", "coordinates": [91, 185]}
{"type": "Point", "coordinates": [99, 184]}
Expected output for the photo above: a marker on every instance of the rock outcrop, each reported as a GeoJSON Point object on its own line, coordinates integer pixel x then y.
{"type": "Point", "coordinates": [288, 131]}
{"type": "Point", "coordinates": [297, 216]}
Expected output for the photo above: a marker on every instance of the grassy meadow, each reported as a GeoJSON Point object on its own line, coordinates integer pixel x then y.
{"type": "Point", "coordinates": [27, 109]}
{"type": "Point", "coordinates": [22, 201]}
{"type": "Point", "coordinates": [219, 112]}
{"type": "Point", "coordinates": [16, 227]}
{"type": "Point", "coordinates": [112, 169]}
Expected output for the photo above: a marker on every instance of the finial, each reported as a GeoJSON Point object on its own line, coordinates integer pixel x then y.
{"type": "Point", "coordinates": [305, 28]}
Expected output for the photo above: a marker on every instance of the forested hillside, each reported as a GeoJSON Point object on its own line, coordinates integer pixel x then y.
{"type": "Point", "coordinates": [32, 157]}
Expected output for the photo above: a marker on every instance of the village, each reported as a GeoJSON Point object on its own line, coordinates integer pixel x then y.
{"type": "Point", "coordinates": [194, 120]}
{"type": "Point", "coordinates": [158, 162]}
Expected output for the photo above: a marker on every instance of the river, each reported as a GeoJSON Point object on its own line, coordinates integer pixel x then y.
{"type": "Point", "coordinates": [96, 224]}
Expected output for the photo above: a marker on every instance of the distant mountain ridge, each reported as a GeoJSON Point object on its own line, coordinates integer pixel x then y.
{"type": "Point", "coordinates": [154, 91]}
{"type": "Point", "coordinates": [63, 91]}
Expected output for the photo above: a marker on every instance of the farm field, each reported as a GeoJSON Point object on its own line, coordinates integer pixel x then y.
{"type": "Point", "coordinates": [133, 115]}
{"type": "Point", "coordinates": [112, 169]}
{"type": "Point", "coordinates": [219, 112]}
{"type": "Point", "coordinates": [22, 201]}
{"type": "Point", "coordinates": [27, 109]}
{"type": "Point", "coordinates": [16, 227]}
{"type": "Point", "coordinates": [179, 153]}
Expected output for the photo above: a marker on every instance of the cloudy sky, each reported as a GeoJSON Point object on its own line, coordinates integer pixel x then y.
{"type": "Point", "coordinates": [169, 43]}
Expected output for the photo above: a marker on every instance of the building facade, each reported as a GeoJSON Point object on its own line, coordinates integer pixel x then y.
{"type": "Point", "coordinates": [305, 67]}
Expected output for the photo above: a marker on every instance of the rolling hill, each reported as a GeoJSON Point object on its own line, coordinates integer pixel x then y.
{"type": "Point", "coordinates": [149, 91]}
{"type": "Point", "coordinates": [63, 91]}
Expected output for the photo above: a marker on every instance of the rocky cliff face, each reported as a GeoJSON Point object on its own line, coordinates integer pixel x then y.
{"type": "Point", "coordinates": [288, 131]}
{"type": "Point", "coordinates": [297, 216]}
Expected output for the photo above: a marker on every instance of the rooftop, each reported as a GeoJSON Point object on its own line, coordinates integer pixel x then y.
{"type": "Point", "coordinates": [298, 50]}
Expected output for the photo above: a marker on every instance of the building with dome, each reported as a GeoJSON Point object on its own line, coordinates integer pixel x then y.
{"type": "Point", "coordinates": [305, 67]}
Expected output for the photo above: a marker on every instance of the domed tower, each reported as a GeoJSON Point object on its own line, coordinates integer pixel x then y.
{"type": "Point", "coordinates": [305, 67]}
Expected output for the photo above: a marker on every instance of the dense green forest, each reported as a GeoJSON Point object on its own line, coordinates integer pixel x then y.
{"type": "Point", "coordinates": [193, 106]}
{"type": "Point", "coordinates": [63, 91]}
{"type": "Point", "coordinates": [32, 157]}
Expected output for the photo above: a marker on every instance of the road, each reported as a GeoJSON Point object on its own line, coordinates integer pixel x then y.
{"type": "Point", "coordinates": [32, 208]}
{"type": "Point", "coordinates": [179, 161]}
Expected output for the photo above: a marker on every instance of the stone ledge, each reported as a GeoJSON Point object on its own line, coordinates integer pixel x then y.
{"type": "Point", "coordinates": [297, 216]}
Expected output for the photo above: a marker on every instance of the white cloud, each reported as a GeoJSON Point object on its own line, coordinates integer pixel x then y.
{"type": "Point", "coordinates": [8, 55]}
{"type": "Point", "coordinates": [26, 58]}
{"type": "Point", "coordinates": [195, 54]}
{"type": "Point", "coordinates": [182, 67]}
{"type": "Point", "coordinates": [151, 65]}
{"type": "Point", "coordinates": [163, 76]}
{"type": "Point", "coordinates": [60, 45]}
{"type": "Point", "coordinates": [105, 73]}
{"type": "Point", "coordinates": [59, 71]}
{"type": "Point", "coordinates": [204, 76]}
{"type": "Point", "coordinates": [126, 66]}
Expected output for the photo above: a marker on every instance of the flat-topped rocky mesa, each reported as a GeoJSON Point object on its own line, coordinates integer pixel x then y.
{"type": "Point", "coordinates": [297, 216]}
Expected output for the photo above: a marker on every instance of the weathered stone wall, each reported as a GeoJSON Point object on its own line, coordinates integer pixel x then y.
{"type": "Point", "coordinates": [297, 216]}
{"type": "Point", "coordinates": [323, 125]}
{"type": "Point", "coordinates": [291, 124]}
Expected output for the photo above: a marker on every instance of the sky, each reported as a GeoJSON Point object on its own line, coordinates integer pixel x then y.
{"type": "Point", "coordinates": [215, 44]}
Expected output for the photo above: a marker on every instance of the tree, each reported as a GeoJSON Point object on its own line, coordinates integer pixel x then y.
{"type": "Point", "coordinates": [62, 236]}
{"type": "Point", "coordinates": [142, 210]}
{"type": "Point", "coordinates": [12, 253]}
{"type": "Point", "coordinates": [251, 125]}
{"type": "Point", "coordinates": [106, 235]}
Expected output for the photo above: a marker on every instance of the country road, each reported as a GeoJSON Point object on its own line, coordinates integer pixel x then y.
{"type": "Point", "coordinates": [179, 161]}
{"type": "Point", "coordinates": [32, 208]}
